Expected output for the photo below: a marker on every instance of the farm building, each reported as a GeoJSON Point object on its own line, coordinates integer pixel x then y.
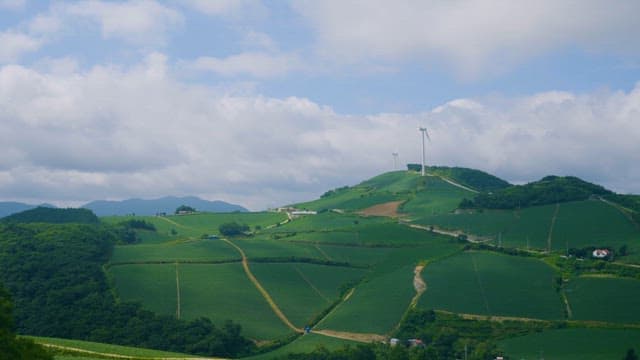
{"type": "Point", "coordinates": [600, 253]}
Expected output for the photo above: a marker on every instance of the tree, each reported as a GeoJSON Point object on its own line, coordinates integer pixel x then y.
{"type": "Point", "coordinates": [631, 355]}
{"type": "Point", "coordinates": [233, 228]}
{"type": "Point", "coordinates": [184, 209]}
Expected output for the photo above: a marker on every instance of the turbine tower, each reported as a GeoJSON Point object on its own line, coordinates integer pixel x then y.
{"type": "Point", "coordinates": [395, 160]}
{"type": "Point", "coordinates": [424, 132]}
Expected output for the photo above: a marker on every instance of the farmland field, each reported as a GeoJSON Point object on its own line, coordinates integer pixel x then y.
{"type": "Point", "coordinates": [492, 284]}
{"type": "Point", "coordinates": [515, 228]}
{"type": "Point", "coordinates": [376, 306]}
{"type": "Point", "coordinates": [305, 344]}
{"type": "Point", "coordinates": [573, 344]}
{"type": "Point", "coordinates": [219, 292]}
{"type": "Point", "coordinates": [604, 299]}
{"type": "Point", "coordinates": [152, 285]}
{"type": "Point", "coordinates": [438, 197]}
{"type": "Point", "coordinates": [260, 248]}
{"type": "Point", "coordinates": [303, 291]}
{"type": "Point", "coordinates": [593, 222]}
{"type": "Point", "coordinates": [191, 250]}
{"type": "Point", "coordinates": [106, 348]}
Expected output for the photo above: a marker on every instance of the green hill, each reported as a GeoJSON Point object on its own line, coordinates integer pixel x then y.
{"type": "Point", "coordinates": [548, 190]}
{"type": "Point", "coordinates": [391, 256]}
{"type": "Point", "coordinates": [53, 216]}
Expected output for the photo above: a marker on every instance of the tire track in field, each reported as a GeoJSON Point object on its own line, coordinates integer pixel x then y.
{"type": "Point", "coordinates": [177, 292]}
{"type": "Point", "coordinates": [311, 284]}
{"type": "Point", "coordinates": [263, 292]}
{"type": "Point", "coordinates": [553, 223]}
{"type": "Point", "coordinates": [174, 223]}
{"type": "Point", "coordinates": [484, 295]}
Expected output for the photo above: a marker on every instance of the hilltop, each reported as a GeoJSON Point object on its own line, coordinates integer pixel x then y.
{"type": "Point", "coordinates": [167, 205]}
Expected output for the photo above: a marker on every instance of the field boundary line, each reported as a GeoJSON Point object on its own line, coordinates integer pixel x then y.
{"type": "Point", "coordinates": [484, 295]}
{"type": "Point", "coordinates": [326, 256]}
{"type": "Point", "coordinates": [165, 262]}
{"type": "Point", "coordinates": [119, 356]}
{"type": "Point", "coordinates": [625, 211]}
{"type": "Point", "coordinates": [263, 292]}
{"type": "Point", "coordinates": [567, 306]}
{"type": "Point", "coordinates": [174, 223]}
{"type": "Point", "coordinates": [177, 292]}
{"type": "Point", "coordinates": [553, 224]}
{"type": "Point", "coordinates": [310, 284]}
{"type": "Point", "coordinates": [346, 297]}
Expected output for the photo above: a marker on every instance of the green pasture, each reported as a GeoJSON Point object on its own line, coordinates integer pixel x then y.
{"type": "Point", "coordinates": [604, 299]}
{"type": "Point", "coordinates": [222, 292]}
{"type": "Point", "coordinates": [324, 222]}
{"type": "Point", "coordinates": [573, 344]}
{"type": "Point", "coordinates": [513, 228]}
{"type": "Point", "coordinates": [262, 248]}
{"type": "Point", "coordinates": [492, 284]}
{"type": "Point", "coordinates": [376, 306]}
{"type": "Point", "coordinates": [154, 286]}
{"type": "Point", "coordinates": [389, 234]}
{"type": "Point", "coordinates": [183, 250]}
{"type": "Point", "coordinates": [354, 255]}
{"type": "Point", "coordinates": [437, 197]}
{"type": "Point", "coordinates": [303, 291]}
{"type": "Point", "coordinates": [105, 349]}
{"type": "Point", "coordinates": [305, 344]}
{"type": "Point", "coordinates": [593, 223]}
{"type": "Point", "coordinates": [396, 181]}
{"type": "Point", "coordinates": [219, 292]}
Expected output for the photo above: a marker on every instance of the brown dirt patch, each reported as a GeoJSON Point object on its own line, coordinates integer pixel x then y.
{"type": "Point", "coordinates": [389, 209]}
{"type": "Point", "coordinates": [360, 337]}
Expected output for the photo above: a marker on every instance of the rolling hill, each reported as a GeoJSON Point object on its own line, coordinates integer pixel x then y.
{"type": "Point", "coordinates": [165, 205]}
{"type": "Point", "coordinates": [392, 256]}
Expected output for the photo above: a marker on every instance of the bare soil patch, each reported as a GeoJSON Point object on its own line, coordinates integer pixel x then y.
{"type": "Point", "coordinates": [389, 209]}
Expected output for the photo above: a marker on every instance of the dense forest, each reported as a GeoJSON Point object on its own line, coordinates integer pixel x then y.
{"type": "Point", "coordinates": [12, 347]}
{"type": "Point", "coordinates": [54, 273]}
{"type": "Point", "coordinates": [548, 190]}
{"type": "Point", "coordinates": [53, 216]}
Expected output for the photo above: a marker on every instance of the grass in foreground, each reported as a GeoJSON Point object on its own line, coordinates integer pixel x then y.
{"type": "Point", "coordinates": [573, 344]}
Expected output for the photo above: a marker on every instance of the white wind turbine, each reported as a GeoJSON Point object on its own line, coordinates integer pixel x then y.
{"type": "Point", "coordinates": [395, 160]}
{"type": "Point", "coordinates": [424, 132]}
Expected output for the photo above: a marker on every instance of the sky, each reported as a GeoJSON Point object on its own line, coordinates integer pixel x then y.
{"type": "Point", "coordinates": [266, 103]}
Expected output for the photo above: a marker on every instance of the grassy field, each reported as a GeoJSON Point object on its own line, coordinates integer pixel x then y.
{"type": "Point", "coordinates": [303, 291]}
{"type": "Point", "coordinates": [573, 344]}
{"type": "Point", "coordinates": [190, 250]}
{"type": "Point", "coordinates": [355, 255]}
{"type": "Point", "coordinates": [593, 222]}
{"type": "Point", "coordinates": [396, 181]}
{"type": "Point", "coordinates": [219, 292]}
{"type": "Point", "coordinates": [437, 197]}
{"type": "Point", "coordinates": [262, 248]}
{"type": "Point", "coordinates": [492, 284]}
{"type": "Point", "coordinates": [105, 348]}
{"type": "Point", "coordinates": [376, 306]}
{"type": "Point", "coordinates": [305, 344]}
{"type": "Point", "coordinates": [604, 299]}
{"type": "Point", "coordinates": [325, 221]}
{"type": "Point", "coordinates": [154, 286]}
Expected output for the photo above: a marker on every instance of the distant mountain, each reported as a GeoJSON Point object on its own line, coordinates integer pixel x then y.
{"type": "Point", "coordinates": [11, 207]}
{"type": "Point", "coordinates": [163, 205]}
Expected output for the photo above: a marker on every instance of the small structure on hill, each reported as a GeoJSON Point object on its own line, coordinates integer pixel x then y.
{"type": "Point", "coordinates": [600, 253]}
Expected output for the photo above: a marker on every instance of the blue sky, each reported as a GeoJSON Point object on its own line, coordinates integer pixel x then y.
{"type": "Point", "coordinates": [269, 102]}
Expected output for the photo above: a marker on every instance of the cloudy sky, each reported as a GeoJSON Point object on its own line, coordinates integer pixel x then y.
{"type": "Point", "coordinates": [264, 103]}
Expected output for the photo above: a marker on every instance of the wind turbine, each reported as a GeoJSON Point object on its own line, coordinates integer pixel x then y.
{"type": "Point", "coordinates": [395, 160]}
{"type": "Point", "coordinates": [424, 132]}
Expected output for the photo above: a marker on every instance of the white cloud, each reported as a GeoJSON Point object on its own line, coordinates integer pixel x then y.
{"type": "Point", "coordinates": [256, 64]}
{"type": "Point", "coordinates": [475, 36]}
{"type": "Point", "coordinates": [225, 7]}
{"type": "Point", "coordinates": [15, 44]}
{"type": "Point", "coordinates": [12, 4]}
{"type": "Point", "coordinates": [134, 21]}
{"type": "Point", "coordinates": [110, 132]}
